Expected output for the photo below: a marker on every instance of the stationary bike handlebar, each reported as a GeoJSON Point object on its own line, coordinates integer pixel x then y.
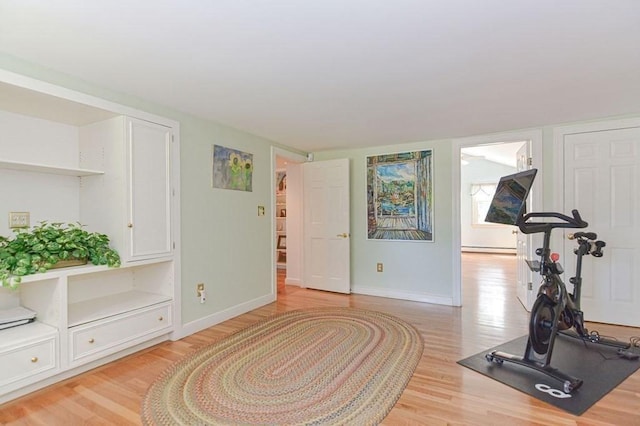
{"type": "Point", "coordinates": [528, 227]}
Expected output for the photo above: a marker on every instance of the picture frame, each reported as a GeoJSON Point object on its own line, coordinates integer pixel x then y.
{"type": "Point", "coordinates": [281, 182]}
{"type": "Point", "coordinates": [231, 169]}
{"type": "Point", "coordinates": [400, 196]}
{"type": "Point", "coordinates": [283, 212]}
{"type": "Point", "coordinates": [282, 242]}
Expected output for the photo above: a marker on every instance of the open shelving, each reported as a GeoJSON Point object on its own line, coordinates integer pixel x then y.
{"type": "Point", "coordinates": [43, 168]}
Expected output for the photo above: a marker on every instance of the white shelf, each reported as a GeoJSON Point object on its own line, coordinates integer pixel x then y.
{"type": "Point", "coordinates": [43, 168]}
{"type": "Point", "coordinates": [57, 273]}
{"type": "Point", "coordinates": [85, 269]}
{"type": "Point", "coordinates": [114, 304]}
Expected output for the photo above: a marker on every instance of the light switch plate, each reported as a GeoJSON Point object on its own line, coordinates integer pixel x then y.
{"type": "Point", "coordinates": [18, 219]}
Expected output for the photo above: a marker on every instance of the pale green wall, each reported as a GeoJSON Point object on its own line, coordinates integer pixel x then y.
{"type": "Point", "coordinates": [414, 269]}
{"type": "Point", "coordinates": [224, 243]}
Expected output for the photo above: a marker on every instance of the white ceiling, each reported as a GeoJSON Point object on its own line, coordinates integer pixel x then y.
{"type": "Point", "coordinates": [327, 74]}
{"type": "Point", "coordinates": [501, 153]}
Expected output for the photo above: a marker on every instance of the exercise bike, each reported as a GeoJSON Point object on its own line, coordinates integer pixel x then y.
{"type": "Point", "coordinates": [556, 311]}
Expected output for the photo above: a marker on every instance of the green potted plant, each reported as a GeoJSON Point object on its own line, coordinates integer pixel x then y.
{"type": "Point", "coordinates": [51, 245]}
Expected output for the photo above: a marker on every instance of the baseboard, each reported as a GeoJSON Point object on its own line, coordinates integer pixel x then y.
{"type": "Point", "coordinates": [403, 295]}
{"type": "Point", "coordinates": [211, 320]}
{"type": "Point", "coordinates": [293, 281]}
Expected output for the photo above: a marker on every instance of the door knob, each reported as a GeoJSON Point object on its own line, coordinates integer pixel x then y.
{"type": "Point", "coordinates": [515, 231]}
{"type": "Point", "coordinates": [343, 235]}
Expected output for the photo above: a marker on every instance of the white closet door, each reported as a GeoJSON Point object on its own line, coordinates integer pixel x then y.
{"type": "Point", "coordinates": [602, 180]}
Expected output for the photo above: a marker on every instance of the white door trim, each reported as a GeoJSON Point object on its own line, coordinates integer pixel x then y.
{"type": "Point", "coordinates": [535, 136]}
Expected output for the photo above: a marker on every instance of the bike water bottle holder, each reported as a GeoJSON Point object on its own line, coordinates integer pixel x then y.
{"type": "Point", "coordinates": [556, 268]}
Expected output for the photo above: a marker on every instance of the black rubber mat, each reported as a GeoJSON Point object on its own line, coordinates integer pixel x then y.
{"type": "Point", "coordinates": [600, 368]}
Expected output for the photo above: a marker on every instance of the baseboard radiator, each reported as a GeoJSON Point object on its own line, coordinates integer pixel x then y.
{"type": "Point", "coordinates": [479, 249]}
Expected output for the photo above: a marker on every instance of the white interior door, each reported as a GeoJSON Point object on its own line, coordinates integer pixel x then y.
{"type": "Point", "coordinates": [602, 180]}
{"type": "Point", "coordinates": [326, 231]}
{"type": "Point", "coordinates": [524, 275]}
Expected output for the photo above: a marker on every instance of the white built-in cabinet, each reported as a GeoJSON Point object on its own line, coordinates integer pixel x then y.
{"type": "Point", "coordinates": [136, 178]}
{"type": "Point", "coordinates": [112, 170]}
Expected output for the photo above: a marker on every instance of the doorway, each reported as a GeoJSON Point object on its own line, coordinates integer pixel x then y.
{"type": "Point", "coordinates": [287, 218]}
{"type": "Point", "coordinates": [486, 149]}
{"type": "Point", "coordinates": [481, 167]}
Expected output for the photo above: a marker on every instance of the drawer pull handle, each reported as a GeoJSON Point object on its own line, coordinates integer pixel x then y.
{"type": "Point", "coordinates": [34, 359]}
{"type": "Point", "coordinates": [161, 318]}
{"type": "Point", "coordinates": [91, 340]}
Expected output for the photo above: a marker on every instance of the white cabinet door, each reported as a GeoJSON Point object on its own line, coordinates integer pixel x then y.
{"type": "Point", "coordinates": [131, 202]}
{"type": "Point", "coordinates": [148, 152]}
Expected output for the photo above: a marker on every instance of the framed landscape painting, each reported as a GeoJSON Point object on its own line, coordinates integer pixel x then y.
{"type": "Point", "coordinates": [400, 196]}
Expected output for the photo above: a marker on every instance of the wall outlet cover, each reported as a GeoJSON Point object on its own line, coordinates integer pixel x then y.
{"type": "Point", "coordinates": [18, 219]}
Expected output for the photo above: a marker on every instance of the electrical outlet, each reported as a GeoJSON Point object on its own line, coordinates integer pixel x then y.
{"type": "Point", "coordinates": [18, 219]}
{"type": "Point", "coordinates": [379, 267]}
{"type": "Point", "coordinates": [199, 289]}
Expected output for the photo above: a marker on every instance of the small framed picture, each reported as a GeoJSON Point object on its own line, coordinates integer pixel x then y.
{"type": "Point", "coordinates": [283, 212]}
{"type": "Point", "coordinates": [281, 182]}
{"type": "Point", "coordinates": [282, 241]}
{"type": "Point", "coordinates": [282, 257]}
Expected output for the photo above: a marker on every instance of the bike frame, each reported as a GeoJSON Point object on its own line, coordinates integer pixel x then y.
{"type": "Point", "coordinates": [553, 294]}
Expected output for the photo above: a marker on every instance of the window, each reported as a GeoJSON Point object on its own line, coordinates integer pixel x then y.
{"type": "Point", "coordinates": [481, 196]}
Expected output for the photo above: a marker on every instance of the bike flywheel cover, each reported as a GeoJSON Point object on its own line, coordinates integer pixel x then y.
{"type": "Point", "coordinates": [541, 324]}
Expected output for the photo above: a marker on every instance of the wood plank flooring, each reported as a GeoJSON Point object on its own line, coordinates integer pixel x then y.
{"type": "Point", "coordinates": [440, 393]}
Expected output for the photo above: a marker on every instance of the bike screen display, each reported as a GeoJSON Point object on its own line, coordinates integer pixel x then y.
{"type": "Point", "coordinates": [510, 197]}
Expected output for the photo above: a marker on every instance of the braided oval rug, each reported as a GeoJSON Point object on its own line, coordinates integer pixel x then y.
{"type": "Point", "coordinates": [314, 367]}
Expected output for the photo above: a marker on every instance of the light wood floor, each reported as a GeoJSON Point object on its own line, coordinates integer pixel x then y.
{"type": "Point", "coordinates": [441, 392]}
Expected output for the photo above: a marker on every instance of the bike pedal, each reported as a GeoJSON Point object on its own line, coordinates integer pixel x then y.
{"type": "Point", "coordinates": [628, 354]}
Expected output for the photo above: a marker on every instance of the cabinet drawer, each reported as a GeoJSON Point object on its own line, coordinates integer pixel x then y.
{"type": "Point", "coordinates": [27, 361]}
{"type": "Point", "coordinates": [118, 332]}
